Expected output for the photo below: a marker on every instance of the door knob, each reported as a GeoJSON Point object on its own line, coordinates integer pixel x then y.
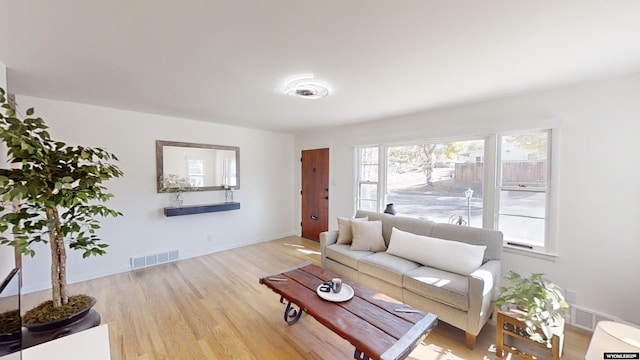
{"type": "Point", "coordinates": [313, 217]}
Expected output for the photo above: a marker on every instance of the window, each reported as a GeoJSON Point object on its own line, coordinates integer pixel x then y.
{"type": "Point", "coordinates": [368, 175]}
{"type": "Point", "coordinates": [195, 172]}
{"type": "Point", "coordinates": [429, 180]}
{"type": "Point", "coordinates": [432, 180]}
{"type": "Point", "coordinates": [522, 185]}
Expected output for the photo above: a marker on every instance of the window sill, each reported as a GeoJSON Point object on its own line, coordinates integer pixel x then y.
{"type": "Point", "coordinates": [531, 253]}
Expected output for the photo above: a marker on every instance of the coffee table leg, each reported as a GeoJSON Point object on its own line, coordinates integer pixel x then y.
{"type": "Point", "coordinates": [291, 314]}
{"type": "Point", "coordinates": [359, 355]}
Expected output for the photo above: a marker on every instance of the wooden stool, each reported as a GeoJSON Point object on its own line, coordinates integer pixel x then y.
{"type": "Point", "coordinates": [509, 323]}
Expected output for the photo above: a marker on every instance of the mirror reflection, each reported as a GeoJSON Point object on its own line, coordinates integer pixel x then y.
{"type": "Point", "coordinates": [10, 320]}
{"type": "Point", "coordinates": [196, 167]}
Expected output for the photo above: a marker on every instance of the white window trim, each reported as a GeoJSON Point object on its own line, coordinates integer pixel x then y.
{"type": "Point", "coordinates": [552, 201]}
{"type": "Point", "coordinates": [489, 220]}
{"type": "Point", "coordinates": [382, 177]}
{"type": "Point", "coordinates": [542, 254]}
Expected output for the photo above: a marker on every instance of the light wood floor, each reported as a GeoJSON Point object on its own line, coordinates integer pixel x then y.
{"type": "Point", "coordinates": [212, 307]}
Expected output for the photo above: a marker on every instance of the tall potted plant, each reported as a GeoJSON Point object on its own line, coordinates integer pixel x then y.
{"type": "Point", "coordinates": [53, 193]}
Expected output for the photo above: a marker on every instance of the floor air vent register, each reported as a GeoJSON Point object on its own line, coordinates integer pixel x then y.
{"type": "Point", "coordinates": [154, 259]}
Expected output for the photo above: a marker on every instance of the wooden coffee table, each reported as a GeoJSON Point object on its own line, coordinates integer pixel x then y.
{"type": "Point", "coordinates": [378, 326]}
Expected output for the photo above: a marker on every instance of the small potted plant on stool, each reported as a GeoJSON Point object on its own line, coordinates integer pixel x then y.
{"type": "Point", "coordinates": [532, 308]}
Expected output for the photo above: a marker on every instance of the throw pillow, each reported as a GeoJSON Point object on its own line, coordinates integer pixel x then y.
{"type": "Point", "coordinates": [367, 236]}
{"type": "Point", "coordinates": [449, 255]}
{"type": "Point", "coordinates": [345, 235]}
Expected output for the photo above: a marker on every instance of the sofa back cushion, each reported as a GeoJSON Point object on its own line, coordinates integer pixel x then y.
{"type": "Point", "coordinates": [412, 225]}
{"type": "Point", "coordinates": [453, 256]}
{"type": "Point", "coordinates": [475, 236]}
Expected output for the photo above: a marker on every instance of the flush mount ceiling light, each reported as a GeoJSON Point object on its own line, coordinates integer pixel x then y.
{"type": "Point", "coordinates": [304, 86]}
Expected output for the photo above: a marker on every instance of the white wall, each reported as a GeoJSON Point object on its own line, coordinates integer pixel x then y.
{"type": "Point", "coordinates": [3, 75]}
{"type": "Point", "coordinates": [266, 161]}
{"type": "Point", "coordinates": [6, 253]}
{"type": "Point", "coordinates": [597, 210]}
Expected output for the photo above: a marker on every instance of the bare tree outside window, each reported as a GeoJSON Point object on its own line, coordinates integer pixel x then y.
{"type": "Point", "coordinates": [422, 158]}
{"type": "Point", "coordinates": [429, 179]}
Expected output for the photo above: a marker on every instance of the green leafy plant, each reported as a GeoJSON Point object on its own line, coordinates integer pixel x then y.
{"type": "Point", "coordinates": [541, 301]}
{"type": "Point", "coordinates": [52, 193]}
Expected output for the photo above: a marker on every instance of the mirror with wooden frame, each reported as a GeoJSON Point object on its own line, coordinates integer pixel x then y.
{"type": "Point", "coordinates": [203, 167]}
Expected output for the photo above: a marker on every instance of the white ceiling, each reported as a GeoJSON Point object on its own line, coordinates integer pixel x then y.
{"type": "Point", "coordinates": [220, 60]}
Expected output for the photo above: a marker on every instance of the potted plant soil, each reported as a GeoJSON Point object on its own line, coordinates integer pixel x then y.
{"type": "Point", "coordinates": [539, 303]}
{"type": "Point", "coordinates": [53, 193]}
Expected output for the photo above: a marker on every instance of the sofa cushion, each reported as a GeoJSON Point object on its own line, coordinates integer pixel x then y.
{"type": "Point", "coordinates": [439, 285]}
{"type": "Point", "coordinates": [345, 235]}
{"type": "Point", "coordinates": [412, 225]}
{"type": "Point", "coordinates": [474, 236]}
{"type": "Point", "coordinates": [367, 235]}
{"type": "Point", "coordinates": [449, 255]}
{"type": "Point", "coordinates": [407, 224]}
{"type": "Point", "coordinates": [386, 267]}
{"type": "Point", "coordinates": [343, 254]}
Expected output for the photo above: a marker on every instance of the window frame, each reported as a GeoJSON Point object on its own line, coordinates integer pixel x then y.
{"type": "Point", "coordinates": [359, 182]}
{"type": "Point", "coordinates": [547, 242]}
{"type": "Point", "coordinates": [484, 138]}
{"type": "Point", "coordinates": [492, 176]}
{"type": "Point", "coordinates": [196, 178]}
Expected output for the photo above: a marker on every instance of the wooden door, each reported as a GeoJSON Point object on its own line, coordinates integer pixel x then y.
{"type": "Point", "coordinates": [315, 193]}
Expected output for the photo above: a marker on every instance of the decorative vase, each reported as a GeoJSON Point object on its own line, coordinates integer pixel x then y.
{"type": "Point", "coordinates": [177, 199]}
{"type": "Point", "coordinates": [390, 209]}
{"type": "Point", "coordinates": [228, 194]}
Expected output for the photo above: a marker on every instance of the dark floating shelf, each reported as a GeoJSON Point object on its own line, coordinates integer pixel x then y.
{"type": "Point", "coordinates": [200, 209]}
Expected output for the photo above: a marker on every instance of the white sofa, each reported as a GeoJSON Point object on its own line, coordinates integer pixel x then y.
{"type": "Point", "coordinates": [462, 300]}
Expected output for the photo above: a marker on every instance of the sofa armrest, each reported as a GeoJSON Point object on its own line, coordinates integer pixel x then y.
{"type": "Point", "coordinates": [327, 238]}
{"type": "Point", "coordinates": [482, 283]}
